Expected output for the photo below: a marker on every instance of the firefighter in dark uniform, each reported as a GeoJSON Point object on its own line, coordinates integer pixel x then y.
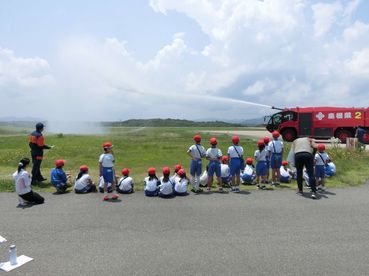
{"type": "Point", "coordinates": [37, 145]}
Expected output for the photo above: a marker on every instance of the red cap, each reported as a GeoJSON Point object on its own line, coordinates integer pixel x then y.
{"type": "Point", "coordinates": [235, 139]}
{"type": "Point", "coordinates": [181, 172]}
{"type": "Point", "coordinates": [275, 134]}
{"type": "Point", "coordinates": [260, 143]}
{"type": "Point", "coordinates": [59, 163]}
{"type": "Point", "coordinates": [125, 171]}
{"type": "Point", "coordinates": [224, 158]}
{"type": "Point", "coordinates": [284, 163]}
{"type": "Point", "coordinates": [166, 170]}
{"type": "Point", "coordinates": [249, 160]}
{"type": "Point", "coordinates": [213, 141]}
{"type": "Point", "coordinates": [197, 138]}
{"type": "Point", "coordinates": [107, 145]}
{"type": "Point", "coordinates": [83, 168]}
{"type": "Point", "coordinates": [177, 167]}
{"type": "Point", "coordinates": [151, 170]}
{"type": "Point", "coordinates": [321, 147]}
{"type": "Point", "coordinates": [266, 139]}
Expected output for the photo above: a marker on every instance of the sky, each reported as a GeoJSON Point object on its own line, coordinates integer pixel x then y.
{"type": "Point", "coordinates": [187, 59]}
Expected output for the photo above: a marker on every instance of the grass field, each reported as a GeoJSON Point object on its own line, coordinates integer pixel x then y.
{"type": "Point", "coordinates": [140, 148]}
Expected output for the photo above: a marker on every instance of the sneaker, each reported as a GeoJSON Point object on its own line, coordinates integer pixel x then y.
{"type": "Point", "coordinates": [114, 197]}
{"type": "Point", "coordinates": [42, 179]}
{"type": "Point", "coordinates": [106, 197]}
{"type": "Point", "coordinates": [300, 193]}
{"type": "Point", "coordinates": [313, 195]}
{"type": "Point", "coordinates": [220, 189]}
{"type": "Point", "coordinates": [236, 190]}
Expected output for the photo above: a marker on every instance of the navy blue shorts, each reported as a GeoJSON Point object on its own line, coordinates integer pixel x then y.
{"type": "Point", "coordinates": [196, 167]}
{"type": "Point", "coordinates": [247, 178]}
{"type": "Point", "coordinates": [108, 175]}
{"type": "Point", "coordinates": [261, 168]}
{"type": "Point", "coordinates": [276, 161]}
{"type": "Point", "coordinates": [235, 166]}
{"type": "Point", "coordinates": [151, 193]}
{"type": "Point", "coordinates": [320, 171]}
{"type": "Point", "coordinates": [285, 179]}
{"type": "Point", "coordinates": [214, 167]}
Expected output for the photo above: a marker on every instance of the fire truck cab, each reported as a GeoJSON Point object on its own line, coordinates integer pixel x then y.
{"type": "Point", "coordinates": [319, 122]}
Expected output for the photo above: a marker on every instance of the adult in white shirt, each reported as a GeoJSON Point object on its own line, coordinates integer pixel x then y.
{"type": "Point", "coordinates": [125, 183]}
{"type": "Point", "coordinates": [236, 164]}
{"type": "Point", "coordinates": [180, 186]}
{"type": "Point", "coordinates": [196, 152]}
{"type": "Point", "coordinates": [166, 187]}
{"type": "Point", "coordinates": [84, 184]}
{"type": "Point", "coordinates": [22, 181]}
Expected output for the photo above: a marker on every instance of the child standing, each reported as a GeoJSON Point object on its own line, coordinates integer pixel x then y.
{"type": "Point", "coordinates": [106, 167]}
{"type": "Point", "coordinates": [321, 160]}
{"type": "Point", "coordinates": [22, 181]}
{"type": "Point", "coordinates": [261, 164]}
{"type": "Point", "coordinates": [275, 149]}
{"type": "Point", "coordinates": [285, 173]}
{"type": "Point", "coordinates": [180, 187]}
{"type": "Point", "coordinates": [166, 187]}
{"type": "Point", "coordinates": [236, 165]}
{"type": "Point", "coordinates": [248, 175]}
{"type": "Point", "coordinates": [84, 184]}
{"type": "Point", "coordinates": [224, 171]}
{"type": "Point", "coordinates": [266, 143]}
{"type": "Point", "coordinates": [196, 152]}
{"type": "Point", "coordinates": [126, 184]}
{"type": "Point", "coordinates": [214, 154]}
{"type": "Point", "coordinates": [151, 183]}
{"type": "Point", "coordinates": [59, 179]}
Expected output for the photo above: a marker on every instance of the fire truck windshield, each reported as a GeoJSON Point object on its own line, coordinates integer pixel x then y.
{"type": "Point", "coordinates": [280, 117]}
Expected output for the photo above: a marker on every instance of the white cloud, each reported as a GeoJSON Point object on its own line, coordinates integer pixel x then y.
{"type": "Point", "coordinates": [359, 63]}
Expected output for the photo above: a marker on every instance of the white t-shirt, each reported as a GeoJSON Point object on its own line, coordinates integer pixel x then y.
{"type": "Point", "coordinates": [194, 151]}
{"type": "Point", "coordinates": [174, 178]}
{"type": "Point", "coordinates": [214, 153]}
{"type": "Point", "coordinates": [150, 185]}
{"type": "Point", "coordinates": [204, 178]}
{"type": "Point", "coordinates": [260, 156]}
{"type": "Point", "coordinates": [249, 170]}
{"type": "Point", "coordinates": [319, 161]}
{"type": "Point", "coordinates": [166, 188]}
{"type": "Point", "coordinates": [224, 170]}
{"type": "Point", "coordinates": [125, 183]}
{"type": "Point", "coordinates": [181, 185]}
{"type": "Point", "coordinates": [83, 182]}
{"type": "Point", "coordinates": [22, 182]}
{"type": "Point", "coordinates": [107, 160]}
{"type": "Point", "coordinates": [275, 146]}
{"type": "Point", "coordinates": [233, 153]}
{"type": "Point", "coordinates": [284, 172]}
{"type": "Point", "coordinates": [102, 183]}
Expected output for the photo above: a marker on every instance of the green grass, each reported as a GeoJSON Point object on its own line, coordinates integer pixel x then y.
{"type": "Point", "coordinates": [140, 148]}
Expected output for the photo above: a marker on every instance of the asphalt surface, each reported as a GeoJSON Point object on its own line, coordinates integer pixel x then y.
{"type": "Point", "coordinates": [257, 233]}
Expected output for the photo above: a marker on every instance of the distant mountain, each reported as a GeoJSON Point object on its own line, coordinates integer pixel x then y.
{"type": "Point", "coordinates": [169, 123]}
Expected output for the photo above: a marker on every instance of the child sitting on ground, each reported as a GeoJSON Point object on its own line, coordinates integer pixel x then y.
{"type": "Point", "coordinates": [151, 183]}
{"type": "Point", "coordinates": [166, 187]}
{"type": "Point", "coordinates": [225, 172]}
{"type": "Point", "coordinates": [321, 160]}
{"type": "Point", "coordinates": [102, 184]}
{"type": "Point", "coordinates": [204, 177]}
{"type": "Point", "coordinates": [248, 176]}
{"type": "Point", "coordinates": [180, 186]}
{"type": "Point", "coordinates": [59, 179]}
{"type": "Point", "coordinates": [285, 173]}
{"type": "Point", "coordinates": [175, 174]}
{"type": "Point", "coordinates": [84, 184]}
{"type": "Point", "coordinates": [125, 183]}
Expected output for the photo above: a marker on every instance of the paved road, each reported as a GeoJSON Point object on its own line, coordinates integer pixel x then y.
{"type": "Point", "coordinates": [257, 233]}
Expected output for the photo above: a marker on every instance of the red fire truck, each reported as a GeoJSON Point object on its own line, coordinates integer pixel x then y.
{"type": "Point", "coordinates": [319, 122]}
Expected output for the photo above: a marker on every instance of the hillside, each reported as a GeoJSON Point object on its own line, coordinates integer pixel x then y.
{"type": "Point", "coordinates": [168, 123]}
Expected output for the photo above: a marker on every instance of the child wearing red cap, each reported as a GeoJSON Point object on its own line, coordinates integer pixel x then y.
{"type": "Point", "coordinates": [180, 186]}
{"type": "Point", "coordinates": [213, 154]}
{"type": "Point", "coordinates": [248, 174]}
{"type": "Point", "coordinates": [84, 184]}
{"type": "Point", "coordinates": [261, 164]}
{"type": "Point", "coordinates": [285, 173]}
{"type": "Point", "coordinates": [196, 152]}
{"type": "Point", "coordinates": [321, 160]}
{"type": "Point", "coordinates": [125, 184]}
{"type": "Point", "coordinates": [224, 171]}
{"type": "Point", "coordinates": [59, 179]}
{"type": "Point", "coordinates": [275, 148]}
{"type": "Point", "coordinates": [266, 143]}
{"type": "Point", "coordinates": [151, 183]}
{"type": "Point", "coordinates": [106, 168]}
{"type": "Point", "coordinates": [175, 176]}
{"type": "Point", "coordinates": [236, 165]}
{"type": "Point", "coordinates": [166, 187]}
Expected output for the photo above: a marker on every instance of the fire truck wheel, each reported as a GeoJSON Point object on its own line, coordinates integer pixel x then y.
{"type": "Point", "coordinates": [289, 134]}
{"type": "Point", "coordinates": [343, 134]}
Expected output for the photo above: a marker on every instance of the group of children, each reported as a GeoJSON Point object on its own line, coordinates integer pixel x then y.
{"type": "Point", "coordinates": [229, 170]}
